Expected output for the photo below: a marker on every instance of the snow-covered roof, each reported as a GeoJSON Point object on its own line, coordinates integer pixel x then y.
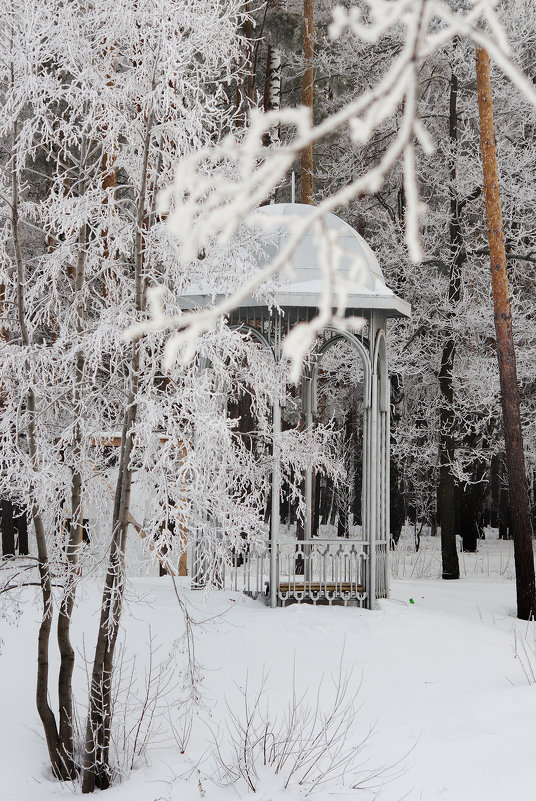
{"type": "Point", "coordinates": [359, 280]}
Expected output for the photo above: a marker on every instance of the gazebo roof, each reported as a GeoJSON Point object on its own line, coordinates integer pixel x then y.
{"type": "Point", "coordinates": [304, 283]}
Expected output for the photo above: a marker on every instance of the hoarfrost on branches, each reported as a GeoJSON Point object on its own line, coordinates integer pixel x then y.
{"type": "Point", "coordinates": [218, 186]}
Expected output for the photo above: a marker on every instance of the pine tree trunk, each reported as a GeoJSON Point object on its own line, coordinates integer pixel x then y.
{"type": "Point", "coordinates": [503, 505]}
{"type": "Point", "coordinates": [515, 459]}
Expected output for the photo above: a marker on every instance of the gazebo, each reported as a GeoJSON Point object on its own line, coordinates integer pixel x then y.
{"type": "Point", "coordinates": [353, 570]}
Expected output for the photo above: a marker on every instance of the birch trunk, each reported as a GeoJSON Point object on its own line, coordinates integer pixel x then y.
{"type": "Point", "coordinates": [272, 89]}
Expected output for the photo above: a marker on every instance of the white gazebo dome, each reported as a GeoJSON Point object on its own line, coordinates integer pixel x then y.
{"type": "Point", "coordinates": [359, 281]}
{"type": "Point", "coordinates": [307, 256]}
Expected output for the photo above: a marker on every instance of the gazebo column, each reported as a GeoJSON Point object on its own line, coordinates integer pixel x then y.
{"type": "Point", "coordinates": [384, 466]}
{"type": "Point", "coordinates": [275, 519]}
{"type": "Point", "coordinates": [307, 390]}
{"type": "Point", "coordinates": [365, 482]}
{"type": "Point", "coordinates": [276, 494]}
{"type": "Point", "coordinates": [378, 489]}
{"type": "Point", "coordinates": [387, 480]}
{"type": "Point", "coordinates": [379, 461]}
{"type": "Point", "coordinates": [373, 489]}
{"type": "Point", "coordinates": [383, 475]}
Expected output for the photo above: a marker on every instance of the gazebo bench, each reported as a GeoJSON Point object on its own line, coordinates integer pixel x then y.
{"type": "Point", "coordinates": [320, 586]}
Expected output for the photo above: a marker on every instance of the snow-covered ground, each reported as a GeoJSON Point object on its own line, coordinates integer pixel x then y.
{"type": "Point", "coordinates": [440, 671]}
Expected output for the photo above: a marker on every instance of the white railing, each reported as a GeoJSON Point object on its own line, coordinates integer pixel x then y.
{"type": "Point", "coordinates": [382, 569]}
{"type": "Point", "coordinates": [317, 570]}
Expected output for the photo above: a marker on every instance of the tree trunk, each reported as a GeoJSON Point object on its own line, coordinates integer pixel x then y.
{"type": "Point", "coordinates": [246, 96]}
{"type": "Point", "coordinates": [307, 187]}
{"type": "Point", "coordinates": [96, 759]}
{"type": "Point", "coordinates": [472, 502]}
{"type": "Point", "coordinates": [503, 507]}
{"type": "Point", "coordinates": [59, 767]}
{"type": "Point", "coordinates": [316, 504]}
{"type": "Point", "coordinates": [96, 770]}
{"type": "Point", "coordinates": [515, 459]}
{"type": "Point", "coordinates": [447, 443]}
{"type": "Point", "coordinates": [343, 489]}
{"type": "Point", "coordinates": [272, 88]}
{"type": "Point", "coordinates": [75, 534]}
{"type": "Point", "coordinates": [397, 511]}
{"type": "Point", "coordinates": [323, 502]}
{"type": "Point", "coordinates": [21, 525]}
{"type": "Point", "coordinates": [397, 504]}
{"type": "Point", "coordinates": [272, 99]}
{"type": "Point", "coordinates": [343, 523]}
{"type": "Point", "coordinates": [8, 528]}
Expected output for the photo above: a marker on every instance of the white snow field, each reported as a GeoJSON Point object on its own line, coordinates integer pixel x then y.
{"type": "Point", "coordinates": [442, 683]}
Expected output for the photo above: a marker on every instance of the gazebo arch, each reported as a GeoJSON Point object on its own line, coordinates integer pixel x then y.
{"type": "Point", "coordinates": [353, 570]}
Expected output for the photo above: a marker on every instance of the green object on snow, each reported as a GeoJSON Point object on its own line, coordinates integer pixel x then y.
{"type": "Point", "coordinates": [411, 601]}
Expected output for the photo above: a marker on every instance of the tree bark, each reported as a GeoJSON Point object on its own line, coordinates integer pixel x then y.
{"type": "Point", "coordinates": [96, 772]}
{"type": "Point", "coordinates": [397, 504]}
{"type": "Point", "coordinates": [98, 729]}
{"type": "Point", "coordinates": [246, 97]}
{"type": "Point", "coordinates": [21, 525]}
{"type": "Point", "coordinates": [447, 442]}
{"type": "Point", "coordinates": [48, 719]}
{"type": "Point", "coordinates": [272, 94]}
{"type": "Point", "coordinates": [8, 528]}
{"type": "Point", "coordinates": [472, 501]}
{"type": "Point", "coordinates": [75, 534]}
{"type": "Point", "coordinates": [343, 489]}
{"type": "Point", "coordinates": [513, 437]}
{"type": "Point", "coordinates": [316, 503]}
{"type": "Point", "coordinates": [397, 508]}
{"type": "Point", "coordinates": [307, 186]}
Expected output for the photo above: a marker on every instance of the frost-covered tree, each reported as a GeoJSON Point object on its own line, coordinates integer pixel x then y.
{"type": "Point", "coordinates": [94, 113]}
